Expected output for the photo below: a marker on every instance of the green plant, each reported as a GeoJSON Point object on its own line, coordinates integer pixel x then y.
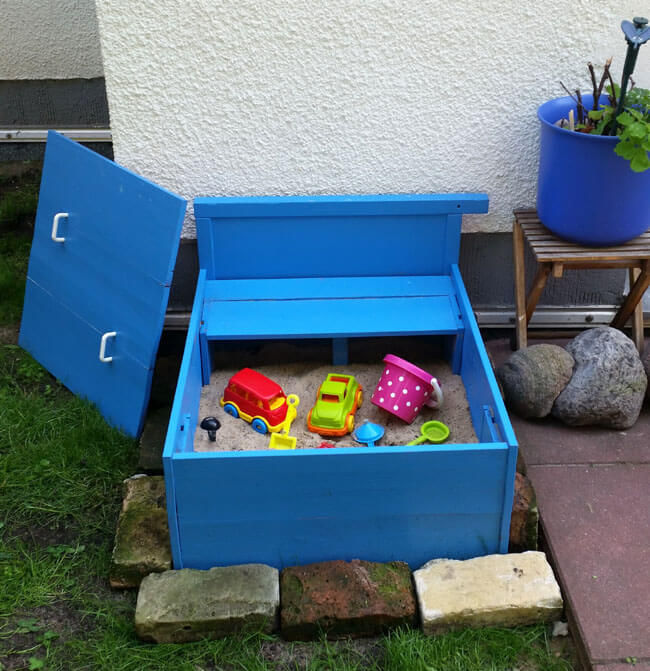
{"type": "Point", "coordinates": [627, 116]}
{"type": "Point", "coordinates": [631, 125]}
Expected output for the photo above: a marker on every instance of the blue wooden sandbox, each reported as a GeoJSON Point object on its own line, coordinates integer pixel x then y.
{"type": "Point", "coordinates": [337, 267]}
{"type": "Point", "coordinates": [334, 267]}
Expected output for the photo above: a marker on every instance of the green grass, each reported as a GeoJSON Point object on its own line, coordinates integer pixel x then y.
{"type": "Point", "coordinates": [61, 469]}
{"type": "Point", "coordinates": [18, 205]}
{"type": "Point", "coordinates": [14, 253]}
{"type": "Point", "coordinates": [18, 201]}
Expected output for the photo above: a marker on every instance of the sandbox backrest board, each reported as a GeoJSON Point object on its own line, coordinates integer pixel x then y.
{"type": "Point", "coordinates": [331, 236]}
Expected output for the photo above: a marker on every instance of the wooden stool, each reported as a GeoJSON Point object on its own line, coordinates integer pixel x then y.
{"type": "Point", "coordinates": [553, 255]}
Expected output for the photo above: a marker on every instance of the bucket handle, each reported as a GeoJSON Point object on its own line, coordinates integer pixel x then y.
{"type": "Point", "coordinates": [436, 398]}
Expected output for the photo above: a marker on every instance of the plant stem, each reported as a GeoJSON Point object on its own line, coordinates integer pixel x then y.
{"type": "Point", "coordinates": [592, 72]}
{"type": "Point", "coordinates": [581, 107]}
{"type": "Point", "coordinates": [608, 62]}
{"type": "Point", "coordinates": [575, 100]}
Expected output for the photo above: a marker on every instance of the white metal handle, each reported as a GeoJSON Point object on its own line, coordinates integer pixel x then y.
{"type": "Point", "coordinates": [102, 347]}
{"type": "Point", "coordinates": [435, 400]}
{"type": "Point", "coordinates": [55, 226]}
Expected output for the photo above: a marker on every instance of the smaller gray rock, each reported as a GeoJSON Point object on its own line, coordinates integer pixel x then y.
{"type": "Point", "coordinates": [608, 384]}
{"type": "Point", "coordinates": [189, 605]}
{"type": "Point", "coordinates": [533, 377]}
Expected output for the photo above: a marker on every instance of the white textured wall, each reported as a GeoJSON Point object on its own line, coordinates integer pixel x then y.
{"type": "Point", "coordinates": [49, 39]}
{"type": "Point", "coordinates": [347, 96]}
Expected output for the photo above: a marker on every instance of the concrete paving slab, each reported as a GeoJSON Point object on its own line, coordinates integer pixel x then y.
{"type": "Point", "coordinates": [596, 520]}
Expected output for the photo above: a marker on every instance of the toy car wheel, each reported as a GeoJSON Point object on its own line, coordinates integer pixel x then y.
{"type": "Point", "coordinates": [349, 423]}
{"type": "Point", "coordinates": [358, 398]}
{"type": "Point", "coordinates": [231, 410]}
{"type": "Point", "coordinates": [259, 425]}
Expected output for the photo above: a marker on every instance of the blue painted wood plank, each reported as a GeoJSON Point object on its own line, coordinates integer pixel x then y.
{"type": "Point", "coordinates": [232, 320]}
{"type": "Point", "coordinates": [482, 390]}
{"type": "Point", "coordinates": [57, 338]}
{"type": "Point", "coordinates": [121, 236]}
{"type": "Point", "coordinates": [87, 281]}
{"type": "Point", "coordinates": [186, 404]}
{"type": "Point", "coordinates": [133, 219]}
{"type": "Point", "coordinates": [188, 388]}
{"type": "Point", "coordinates": [329, 287]}
{"type": "Point", "coordinates": [336, 246]}
{"type": "Point", "coordinates": [312, 505]}
{"type": "Point", "coordinates": [357, 205]}
{"type": "Point", "coordinates": [486, 386]}
{"type": "Point", "coordinates": [112, 270]}
{"type": "Point", "coordinates": [451, 244]}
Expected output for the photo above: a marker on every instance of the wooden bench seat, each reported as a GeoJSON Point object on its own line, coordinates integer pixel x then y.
{"type": "Point", "coordinates": [334, 308]}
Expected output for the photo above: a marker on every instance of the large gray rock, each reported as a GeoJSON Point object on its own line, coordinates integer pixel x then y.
{"type": "Point", "coordinates": [646, 366]}
{"type": "Point", "coordinates": [188, 605]}
{"type": "Point", "coordinates": [493, 591]}
{"type": "Point", "coordinates": [608, 383]}
{"type": "Point", "coordinates": [533, 377]}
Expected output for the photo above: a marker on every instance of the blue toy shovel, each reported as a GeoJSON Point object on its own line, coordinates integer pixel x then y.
{"type": "Point", "coordinates": [368, 433]}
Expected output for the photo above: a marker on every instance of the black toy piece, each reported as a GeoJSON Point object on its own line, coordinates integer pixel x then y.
{"type": "Point", "coordinates": [211, 425]}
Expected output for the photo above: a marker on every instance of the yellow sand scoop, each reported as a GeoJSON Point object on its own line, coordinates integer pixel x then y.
{"type": "Point", "coordinates": [282, 440]}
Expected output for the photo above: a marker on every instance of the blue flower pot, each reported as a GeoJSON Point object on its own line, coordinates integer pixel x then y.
{"type": "Point", "coordinates": [585, 192]}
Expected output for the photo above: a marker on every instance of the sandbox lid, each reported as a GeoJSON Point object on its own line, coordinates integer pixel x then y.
{"type": "Point", "coordinates": [99, 278]}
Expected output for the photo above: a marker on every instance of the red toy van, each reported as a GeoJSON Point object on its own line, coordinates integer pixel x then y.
{"type": "Point", "coordinates": [256, 399]}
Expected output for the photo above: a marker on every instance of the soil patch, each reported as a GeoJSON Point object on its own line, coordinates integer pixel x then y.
{"type": "Point", "coordinates": [298, 656]}
{"type": "Point", "coordinates": [45, 625]}
{"type": "Point", "coordinates": [47, 535]}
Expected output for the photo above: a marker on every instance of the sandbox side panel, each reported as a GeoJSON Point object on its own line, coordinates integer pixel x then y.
{"type": "Point", "coordinates": [183, 419]}
{"type": "Point", "coordinates": [489, 414]}
{"type": "Point", "coordinates": [285, 509]}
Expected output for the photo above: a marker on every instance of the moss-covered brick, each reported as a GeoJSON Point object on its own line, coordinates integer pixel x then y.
{"type": "Point", "coordinates": [189, 605]}
{"type": "Point", "coordinates": [142, 538]}
{"type": "Point", "coordinates": [339, 598]}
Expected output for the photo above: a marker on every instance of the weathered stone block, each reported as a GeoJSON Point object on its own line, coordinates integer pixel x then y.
{"type": "Point", "coordinates": [339, 598]}
{"type": "Point", "coordinates": [142, 538]}
{"type": "Point", "coordinates": [189, 605]}
{"type": "Point", "coordinates": [497, 590]}
{"type": "Point", "coordinates": [524, 522]}
{"type": "Point", "coordinates": [533, 377]}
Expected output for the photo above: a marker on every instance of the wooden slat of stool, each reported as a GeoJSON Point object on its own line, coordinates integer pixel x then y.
{"type": "Point", "coordinates": [553, 254]}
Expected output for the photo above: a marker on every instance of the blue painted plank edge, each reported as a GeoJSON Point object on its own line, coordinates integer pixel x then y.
{"type": "Point", "coordinates": [473, 339]}
{"type": "Point", "coordinates": [352, 205]}
{"type": "Point", "coordinates": [184, 415]}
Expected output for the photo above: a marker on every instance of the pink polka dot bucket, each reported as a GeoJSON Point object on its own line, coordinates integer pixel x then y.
{"type": "Point", "coordinates": [404, 388]}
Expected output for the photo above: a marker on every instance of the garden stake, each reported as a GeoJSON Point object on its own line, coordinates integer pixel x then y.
{"type": "Point", "coordinates": [636, 34]}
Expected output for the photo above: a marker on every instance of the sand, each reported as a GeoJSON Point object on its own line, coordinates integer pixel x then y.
{"type": "Point", "coordinates": [300, 369]}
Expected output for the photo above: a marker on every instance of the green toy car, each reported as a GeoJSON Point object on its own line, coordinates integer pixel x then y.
{"type": "Point", "coordinates": [338, 398]}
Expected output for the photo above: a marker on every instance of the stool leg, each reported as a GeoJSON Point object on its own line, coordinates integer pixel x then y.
{"type": "Point", "coordinates": [539, 282]}
{"type": "Point", "coordinates": [639, 282]}
{"type": "Point", "coordinates": [637, 315]}
{"type": "Point", "coordinates": [521, 323]}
